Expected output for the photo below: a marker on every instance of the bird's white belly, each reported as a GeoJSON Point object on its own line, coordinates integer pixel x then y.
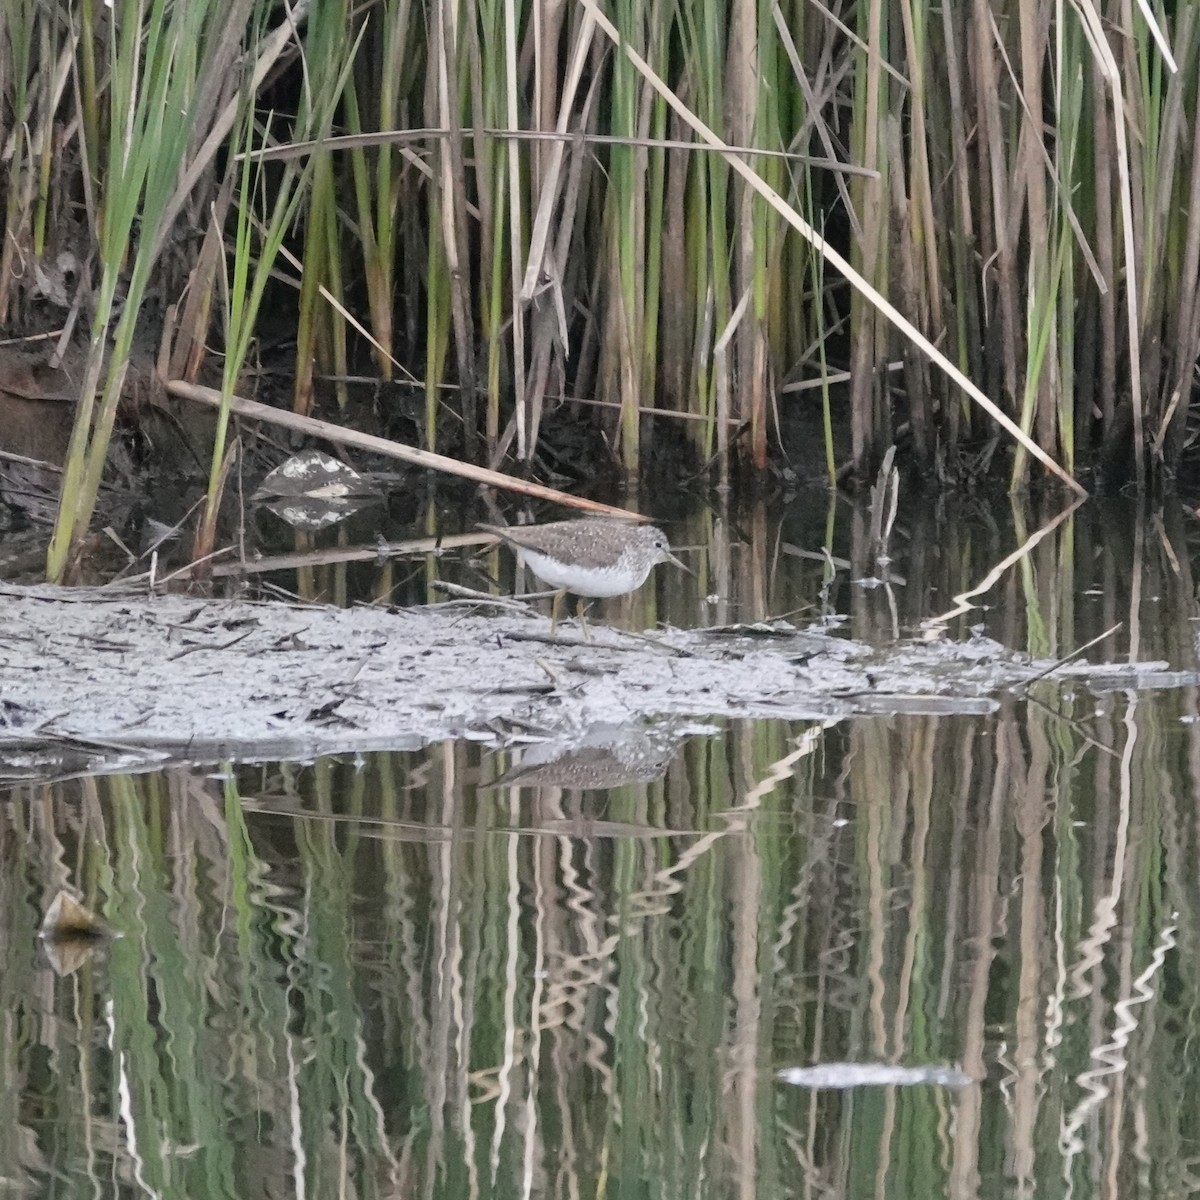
{"type": "Point", "coordinates": [583, 581]}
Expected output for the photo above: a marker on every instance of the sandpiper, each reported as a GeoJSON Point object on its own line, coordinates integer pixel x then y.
{"type": "Point", "coordinates": [591, 557]}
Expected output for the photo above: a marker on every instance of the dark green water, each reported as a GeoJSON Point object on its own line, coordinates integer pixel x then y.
{"type": "Point", "coordinates": [393, 976]}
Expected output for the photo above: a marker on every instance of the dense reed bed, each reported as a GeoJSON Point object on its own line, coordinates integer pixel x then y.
{"type": "Point", "coordinates": [931, 226]}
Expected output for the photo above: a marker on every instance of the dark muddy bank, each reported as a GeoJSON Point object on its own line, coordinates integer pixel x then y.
{"type": "Point", "coordinates": [93, 679]}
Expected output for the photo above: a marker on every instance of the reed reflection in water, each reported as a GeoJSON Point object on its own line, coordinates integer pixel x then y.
{"type": "Point", "coordinates": [392, 976]}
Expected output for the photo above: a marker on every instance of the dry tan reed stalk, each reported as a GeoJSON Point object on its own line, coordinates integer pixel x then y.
{"type": "Point", "coordinates": [1187, 325]}
{"type": "Point", "coordinates": [515, 221]}
{"type": "Point", "coordinates": [867, 333]}
{"type": "Point", "coordinates": [1112, 77]}
{"type": "Point", "coordinates": [575, 137]}
{"type": "Point", "coordinates": [998, 245]}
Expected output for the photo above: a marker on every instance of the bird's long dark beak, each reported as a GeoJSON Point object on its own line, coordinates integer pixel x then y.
{"type": "Point", "coordinates": [682, 566]}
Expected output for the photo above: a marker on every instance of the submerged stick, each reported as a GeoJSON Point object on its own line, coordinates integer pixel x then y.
{"type": "Point", "coordinates": [962, 600]}
{"type": "Point", "coordinates": [377, 445]}
{"type": "Point", "coordinates": [1070, 658]}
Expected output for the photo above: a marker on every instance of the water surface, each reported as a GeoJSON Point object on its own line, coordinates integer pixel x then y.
{"type": "Point", "coordinates": [473, 972]}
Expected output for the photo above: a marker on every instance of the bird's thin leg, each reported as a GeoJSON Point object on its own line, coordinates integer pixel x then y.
{"type": "Point", "coordinates": [554, 610]}
{"type": "Point", "coordinates": [580, 609]}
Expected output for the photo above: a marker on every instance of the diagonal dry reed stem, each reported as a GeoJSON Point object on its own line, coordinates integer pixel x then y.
{"type": "Point", "coordinates": [831, 256]}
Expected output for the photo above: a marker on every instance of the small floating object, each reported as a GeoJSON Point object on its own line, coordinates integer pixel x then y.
{"type": "Point", "coordinates": [849, 1075]}
{"type": "Point", "coordinates": [315, 476]}
{"type": "Point", "coordinates": [67, 918]}
{"type": "Point", "coordinates": [312, 491]}
{"type": "Point", "coordinates": [71, 933]}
